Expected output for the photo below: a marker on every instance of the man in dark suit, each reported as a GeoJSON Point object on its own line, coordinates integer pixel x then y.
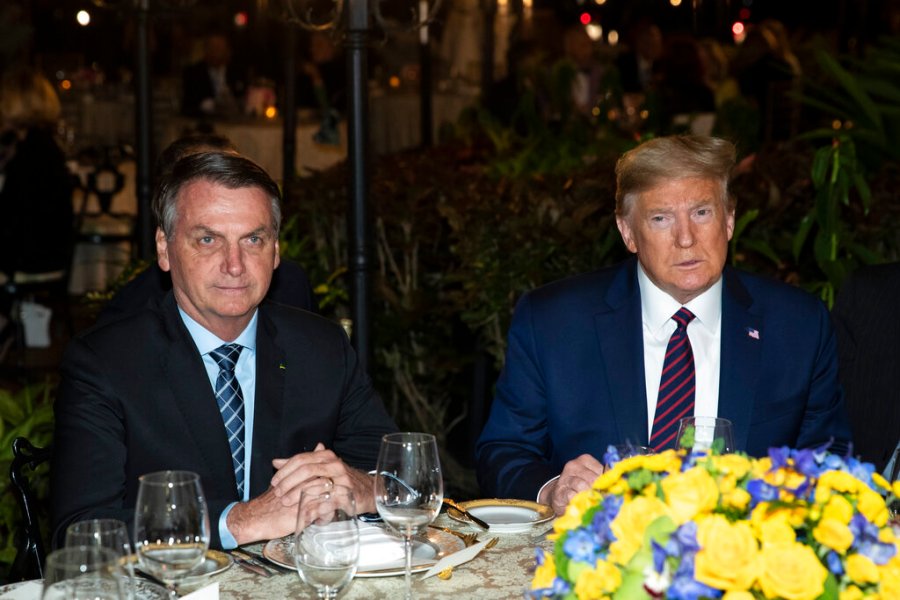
{"type": "Point", "coordinates": [588, 362]}
{"type": "Point", "coordinates": [868, 330]}
{"type": "Point", "coordinates": [143, 393]}
{"type": "Point", "coordinates": [212, 86]}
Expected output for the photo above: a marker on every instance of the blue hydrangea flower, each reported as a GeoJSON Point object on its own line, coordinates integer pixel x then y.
{"type": "Point", "coordinates": [834, 564]}
{"type": "Point", "coordinates": [582, 546]}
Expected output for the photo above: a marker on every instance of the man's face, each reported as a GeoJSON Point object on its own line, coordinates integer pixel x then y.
{"type": "Point", "coordinates": [221, 255]}
{"type": "Point", "coordinates": [680, 232]}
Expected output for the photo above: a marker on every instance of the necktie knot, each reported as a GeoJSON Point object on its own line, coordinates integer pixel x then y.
{"type": "Point", "coordinates": [226, 356]}
{"type": "Point", "coordinates": [683, 317]}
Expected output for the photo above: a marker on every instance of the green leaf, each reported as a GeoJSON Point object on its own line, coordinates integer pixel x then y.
{"type": "Point", "coordinates": [849, 83]}
{"type": "Point", "coordinates": [800, 237]}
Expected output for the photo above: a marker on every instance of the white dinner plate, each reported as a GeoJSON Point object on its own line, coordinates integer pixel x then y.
{"type": "Point", "coordinates": [380, 552]}
{"type": "Point", "coordinates": [24, 590]}
{"type": "Point", "coordinates": [504, 516]}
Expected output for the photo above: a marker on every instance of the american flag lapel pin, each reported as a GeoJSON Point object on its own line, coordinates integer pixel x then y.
{"type": "Point", "coordinates": [282, 366]}
{"type": "Point", "coordinates": [753, 333]}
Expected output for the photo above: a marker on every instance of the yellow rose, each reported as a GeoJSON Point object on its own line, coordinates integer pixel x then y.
{"type": "Point", "coordinates": [609, 477]}
{"type": "Point", "coordinates": [872, 506]}
{"type": "Point", "coordinates": [690, 493]}
{"type": "Point", "coordinates": [629, 526]}
{"type": "Point", "coordinates": [544, 574]}
{"type": "Point", "coordinates": [578, 505]}
{"type": "Point", "coordinates": [895, 487]}
{"type": "Point", "coordinates": [761, 466]}
{"type": "Point", "coordinates": [739, 595]}
{"type": "Point", "coordinates": [838, 508]}
{"type": "Point", "coordinates": [887, 536]}
{"type": "Point", "coordinates": [881, 482]}
{"type": "Point", "coordinates": [861, 569]}
{"type": "Point", "coordinates": [889, 575]}
{"type": "Point", "coordinates": [838, 481]}
{"type": "Point", "coordinates": [851, 593]}
{"type": "Point", "coordinates": [732, 464]}
{"type": "Point", "coordinates": [667, 461]}
{"type": "Point", "coordinates": [776, 531]}
{"type": "Point", "coordinates": [737, 498]}
{"type": "Point", "coordinates": [791, 572]}
{"type": "Point", "coordinates": [599, 582]}
{"type": "Point", "coordinates": [833, 534]}
{"type": "Point", "coordinates": [728, 556]}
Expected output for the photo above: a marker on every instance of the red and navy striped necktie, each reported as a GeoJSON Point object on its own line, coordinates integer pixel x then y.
{"type": "Point", "coordinates": [676, 386]}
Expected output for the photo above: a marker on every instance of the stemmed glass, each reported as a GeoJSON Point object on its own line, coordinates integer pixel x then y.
{"type": "Point", "coordinates": [705, 434]}
{"type": "Point", "coordinates": [83, 573]}
{"type": "Point", "coordinates": [408, 487]}
{"type": "Point", "coordinates": [171, 525]}
{"type": "Point", "coordinates": [111, 534]}
{"type": "Point", "coordinates": [326, 542]}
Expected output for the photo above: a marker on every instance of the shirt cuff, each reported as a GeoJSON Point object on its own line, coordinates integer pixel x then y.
{"type": "Point", "coordinates": [228, 541]}
{"type": "Point", "coordinates": [541, 491]}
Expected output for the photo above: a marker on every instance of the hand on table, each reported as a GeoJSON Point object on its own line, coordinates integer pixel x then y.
{"type": "Point", "coordinates": [577, 475]}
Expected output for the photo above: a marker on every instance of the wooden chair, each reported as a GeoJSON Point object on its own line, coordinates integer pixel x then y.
{"type": "Point", "coordinates": [29, 561]}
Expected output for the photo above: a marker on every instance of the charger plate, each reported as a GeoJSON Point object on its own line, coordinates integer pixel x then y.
{"type": "Point", "coordinates": [504, 515]}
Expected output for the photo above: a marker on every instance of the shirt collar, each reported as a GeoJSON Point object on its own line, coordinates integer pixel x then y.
{"type": "Point", "coordinates": [206, 341]}
{"type": "Point", "coordinates": [657, 307]}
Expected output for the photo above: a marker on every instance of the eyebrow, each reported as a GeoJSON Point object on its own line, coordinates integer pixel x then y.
{"type": "Point", "coordinates": [203, 229]}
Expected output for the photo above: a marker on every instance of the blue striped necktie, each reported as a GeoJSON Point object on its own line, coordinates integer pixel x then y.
{"type": "Point", "coordinates": [676, 386]}
{"type": "Point", "coordinates": [231, 405]}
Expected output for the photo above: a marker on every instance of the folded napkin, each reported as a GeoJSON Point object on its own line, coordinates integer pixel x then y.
{"type": "Point", "coordinates": [457, 558]}
{"type": "Point", "coordinates": [29, 590]}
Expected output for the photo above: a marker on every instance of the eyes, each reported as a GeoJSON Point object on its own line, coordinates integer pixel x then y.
{"type": "Point", "coordinates": [210, 241]}
{"type": "Point", "coordinates": [699, 215]}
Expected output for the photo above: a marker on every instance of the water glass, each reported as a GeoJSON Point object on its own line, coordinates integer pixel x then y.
{"type": "Point", "coordinates": [326, 542]}
{"type": "Point", "coordinates": [171, 525]}
{"type": "Point", "coordinates": [83, 573]}
{"type": "Point", "coordinates": [705, 434]}
{"type": "Point", "coordinates": [111, 534]}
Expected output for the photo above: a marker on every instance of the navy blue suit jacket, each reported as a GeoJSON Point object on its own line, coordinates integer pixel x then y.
{"type": "Point", "coordinates": [574, 382]}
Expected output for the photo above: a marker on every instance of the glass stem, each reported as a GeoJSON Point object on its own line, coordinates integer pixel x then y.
{"type": "Point", "coordinates": [407, 548]}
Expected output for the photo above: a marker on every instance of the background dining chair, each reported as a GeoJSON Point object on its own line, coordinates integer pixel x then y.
{"type": "Point", "coordinates": [30, 555]}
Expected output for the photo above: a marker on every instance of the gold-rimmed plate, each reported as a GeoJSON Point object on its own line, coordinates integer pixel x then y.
{"type": "Point", "coordinates": [504, 515]}
{"type": "Point", "coordinates": [380, 553]}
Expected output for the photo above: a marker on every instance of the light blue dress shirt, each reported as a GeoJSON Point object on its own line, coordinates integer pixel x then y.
{"type": "Point", "coordinates": [245, 371]}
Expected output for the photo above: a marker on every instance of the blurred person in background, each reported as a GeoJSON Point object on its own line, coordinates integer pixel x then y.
{"type": "Point", "coordinates": [716, 73]}
{"type": "Point", "coordinates": [682, 86]}
{"type": "Point", "coordinates": [35, 185]}
{"type": "Point", "coordinates": [579, 50]}
{"type": "Point", "coordinates": [639, 67]}
{"type": "Point", "coordinates": [213, 86]}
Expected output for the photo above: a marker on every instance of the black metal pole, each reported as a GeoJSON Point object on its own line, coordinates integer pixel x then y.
{"type": "Point", "coordinates": [425, 95]}
{"type": "Point", "coordinates": [289, 111]}
{"type": "Point", "coordinates": [357, 140]}
{"type": "Point", "coordinates": [143, 101]}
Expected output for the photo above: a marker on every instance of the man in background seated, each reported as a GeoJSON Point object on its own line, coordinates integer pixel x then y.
{"type": "Point", "coordinates": [868, 330]}
{"type": "Point", "coordinates": [619, 355]}
{"type": "Point", "coordinates": [259, 399]}
{"type": "Point", "coordinates": [290, 285]}
{"type": "Point", "coordinates": [212, 87]}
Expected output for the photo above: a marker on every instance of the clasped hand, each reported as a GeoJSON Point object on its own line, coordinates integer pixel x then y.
{"type": "Point", "coordinates": [577, 475]}
{"type": "Point", "coordinates": [274, 513]}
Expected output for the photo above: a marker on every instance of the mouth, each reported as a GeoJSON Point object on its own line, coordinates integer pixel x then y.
{"type": "Point", "coordinates": [688, 264]}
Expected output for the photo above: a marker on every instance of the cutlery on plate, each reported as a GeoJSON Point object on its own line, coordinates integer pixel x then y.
{"type": "Point", "coordinates": [467, 538]}
{"type": "Point", "coordinates": [249, 566]}
{"type": "Point", "coordinates": [467, 514]}
{"type": "Point", "coordinates": [263, 561]}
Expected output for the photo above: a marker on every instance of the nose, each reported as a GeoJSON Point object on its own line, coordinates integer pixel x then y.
{"type": "Point", "coordinates": [684, 231]}
{"type": "Point", "coordinates": [233, 262]}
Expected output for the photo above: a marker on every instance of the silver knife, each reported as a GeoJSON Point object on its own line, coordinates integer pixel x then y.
{"type": "Point", "coordinates": [246, 564]}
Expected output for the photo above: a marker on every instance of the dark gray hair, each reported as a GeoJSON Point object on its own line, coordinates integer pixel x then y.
{"type": "Point", "coordinates": [672, 158]}
{"type": "Point", "coordinates": [223, 168]}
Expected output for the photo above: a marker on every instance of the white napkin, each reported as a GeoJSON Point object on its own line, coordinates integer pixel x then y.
{"type": "Point", "coordinates": [457, 558]}
{"type": "Point", "coordinates": [209, 592]}
{"type": "Point", "coordinates": [30, 590]}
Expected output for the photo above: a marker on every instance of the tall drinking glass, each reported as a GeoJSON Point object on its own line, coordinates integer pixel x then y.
{"type": "Point", "coordinates": [83, 573]}
{"type": "Point", "coordinates": [408, 487]}
{"type": "Point", "coordinates": [705, 434]}
{"type": "Point", "coordinates": [111, 534]}
{"type": "Point", "coordinates": [171, 525]}
{"type": "Point", "coordinates": [326, 542]}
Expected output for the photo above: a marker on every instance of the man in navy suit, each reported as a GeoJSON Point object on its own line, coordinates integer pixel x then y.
{"type": "Point", "coordinates": [585, 356]}
{"type": "Point", "coordinates": [141, 393]}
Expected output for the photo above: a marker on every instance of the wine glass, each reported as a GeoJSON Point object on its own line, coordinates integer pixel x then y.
{"type": "Point", "coordinates": [83, 573]}
{"type": "Point", "coordinates": [705, 434]}
{"type": "Point", "coordinates": [111, 534]}
{"type": "Point", "coordinates": [326, 542]}
{"type": "Point", "coordinates": [171, 525]}
{"type": "Point", "coordinates": [409, 488]}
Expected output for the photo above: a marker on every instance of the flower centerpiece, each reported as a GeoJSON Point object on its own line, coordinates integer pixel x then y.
{"type": "Point", "coordinates": [796, 525]}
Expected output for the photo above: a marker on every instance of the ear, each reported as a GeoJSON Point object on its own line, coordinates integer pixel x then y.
{"type": "Point", "coordinates": [162, 250]}
{"type": "Point", "coordinates": [628, 235]}
{"type": "Point", "coordinates": [277, 255]}
{"type": "Point", "coordinates": [729, 224]}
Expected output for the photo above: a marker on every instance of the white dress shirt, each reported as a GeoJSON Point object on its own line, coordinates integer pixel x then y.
{"type": "Point", "coordinates": [704, 332]}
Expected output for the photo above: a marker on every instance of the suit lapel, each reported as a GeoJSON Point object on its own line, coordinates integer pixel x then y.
{"type": "Point", "coordinates": [620, 333]}
{"type": "Point", "coordinates": [742, 330]}
{"type": "Point", "coordinates": [192, 394]}
{"type": "Point", "coordinates": [271, 367]}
